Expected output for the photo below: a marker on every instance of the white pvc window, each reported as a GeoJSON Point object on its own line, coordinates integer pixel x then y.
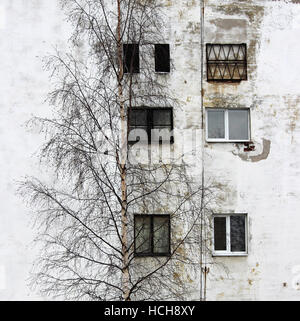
{"type": "Point", "coordinates": [230, 234]}
{"type": "Point", "coordinates": [227, 125]}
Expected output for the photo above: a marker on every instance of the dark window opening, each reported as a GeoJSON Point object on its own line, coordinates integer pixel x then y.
{"type": "Point", "coordinates": [131, 59]}
{"type": "Point", "coordinates": [152, 235]}
{"type": "Point", "coordinates": [226, 62]}
{"type": "Point", "coordinates": [150, 125]}
{"type": "Point", "coordinates": [220, 233]}
{"type": "Point", "coordinates": [162, 58]}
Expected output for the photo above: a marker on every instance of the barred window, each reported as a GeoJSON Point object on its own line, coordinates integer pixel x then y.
{"type": "Point", "coordinates": [152, 235]}
{"type": "Point", "coordinates": [149, 124]}
{"type": "Point", "coordinates": [226, 62]}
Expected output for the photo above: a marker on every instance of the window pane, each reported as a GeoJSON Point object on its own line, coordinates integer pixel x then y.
{"type": "Point", "coordinates": [142, 234]}
{"type": "Point", "coordinates": [161, 234]}
{"type": "Point", "coordinates": [216, 124]}
{"type": "Point", "coordinates": [240, 53]}
{"type": "Point", "coordinates": [238, 124]}
{"type": "Point", "coordinates": [224, 52]}
{"type": "Point", "coordinates": [162, 58]}
{"type": "Point", "coordinates": [212, 52]}
{"type": "Point", "coordinates": [161, 134]}
{"type": "Point", "coordinates": [220, 233]}
{"type": "Point", "coordinates": [162, 117]}
{"type": "Point", "coordinates": [138, 134]}
{"type": "Point", "coordinates": [131, 59]}
{"type": "Point", "coordinates": [237, 233]}
{"type": "Point", "coordinates": [138, 118]}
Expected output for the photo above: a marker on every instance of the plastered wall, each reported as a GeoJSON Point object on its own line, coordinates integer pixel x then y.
{"type": "Point", "coordinates": [263, 183]}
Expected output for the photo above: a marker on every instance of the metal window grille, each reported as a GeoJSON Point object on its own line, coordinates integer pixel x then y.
{"type": "Point", "coordinates": [226, 62]}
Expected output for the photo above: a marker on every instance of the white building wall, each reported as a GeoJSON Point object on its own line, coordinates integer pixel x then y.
{"type": "Point", "coordinates": [262, 183]}
{"type": "Point", "coordinates": [29, 30]}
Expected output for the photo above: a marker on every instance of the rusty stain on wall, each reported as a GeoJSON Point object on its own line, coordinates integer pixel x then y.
{"type": "Point", "coordinates": [227, 24]}
{"type": "Point", "coordinates": [255, 14]}
{"type": "Point", "coordinates": [293, 113]}
{"type": "Point", "coordinates": [236, 26]}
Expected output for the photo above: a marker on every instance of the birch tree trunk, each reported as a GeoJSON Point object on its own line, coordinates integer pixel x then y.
{"type": "Point", "coordinates": [122, 166]}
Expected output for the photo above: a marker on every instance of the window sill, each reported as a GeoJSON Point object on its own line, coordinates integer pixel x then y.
{"type": "Point", "coordinates": [151, 143]}
{"type": "Point", "coordinates": [227, 141]}
{"type": "Point", "coordinates": [230, 254]}
{"type": "Point", "coordinates": [228, 81]}
{"type": "Point", "coordinates": [152, 255]}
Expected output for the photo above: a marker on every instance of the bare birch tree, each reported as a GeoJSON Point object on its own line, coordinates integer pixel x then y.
{"type": "Point", "coordinates": [92, 217]}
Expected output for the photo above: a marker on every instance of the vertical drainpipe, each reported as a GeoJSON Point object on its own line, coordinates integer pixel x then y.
{"type": "Point", "coordinates": [202, 223]}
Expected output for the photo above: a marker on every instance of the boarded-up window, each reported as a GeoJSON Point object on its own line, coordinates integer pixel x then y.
{"type": "Point", "coordinates": [226, 62]}
{"type": "Point", "coordinates": [162, 58]}
{"type": "Point", "coordinates": [230, 234]}
{"type": "Point", "coordinates": [131, 59]}
{"type": "Point", "coordinates": [152, 235]}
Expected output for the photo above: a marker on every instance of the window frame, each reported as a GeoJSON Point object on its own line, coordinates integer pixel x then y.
{"type": "Point", "coordinates": [226, 124]}
{"type": "Point", "coordinates": [228, 251]}
{"type": "Point", "coordinates": [150, 124]}
{"type": "Point", "coordinates": [244, 62]}
{"type": "Point", "coordinates": [169, 58]}
{"type": "Point", "coordinates": [151, 253]}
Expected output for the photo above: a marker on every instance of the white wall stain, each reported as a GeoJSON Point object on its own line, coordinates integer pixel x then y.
{"type": "Point", "coordinates": [2, 18]}
{"type": "Point", "coordinates": [3, 283]}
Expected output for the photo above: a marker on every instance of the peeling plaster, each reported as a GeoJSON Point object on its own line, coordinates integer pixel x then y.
{"type": "Point", "coordinates": [226, 26]}
{"type": "Point", "coordinates": [288, 1]}
{"type": "Point", "coordinates": [256, 158]}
